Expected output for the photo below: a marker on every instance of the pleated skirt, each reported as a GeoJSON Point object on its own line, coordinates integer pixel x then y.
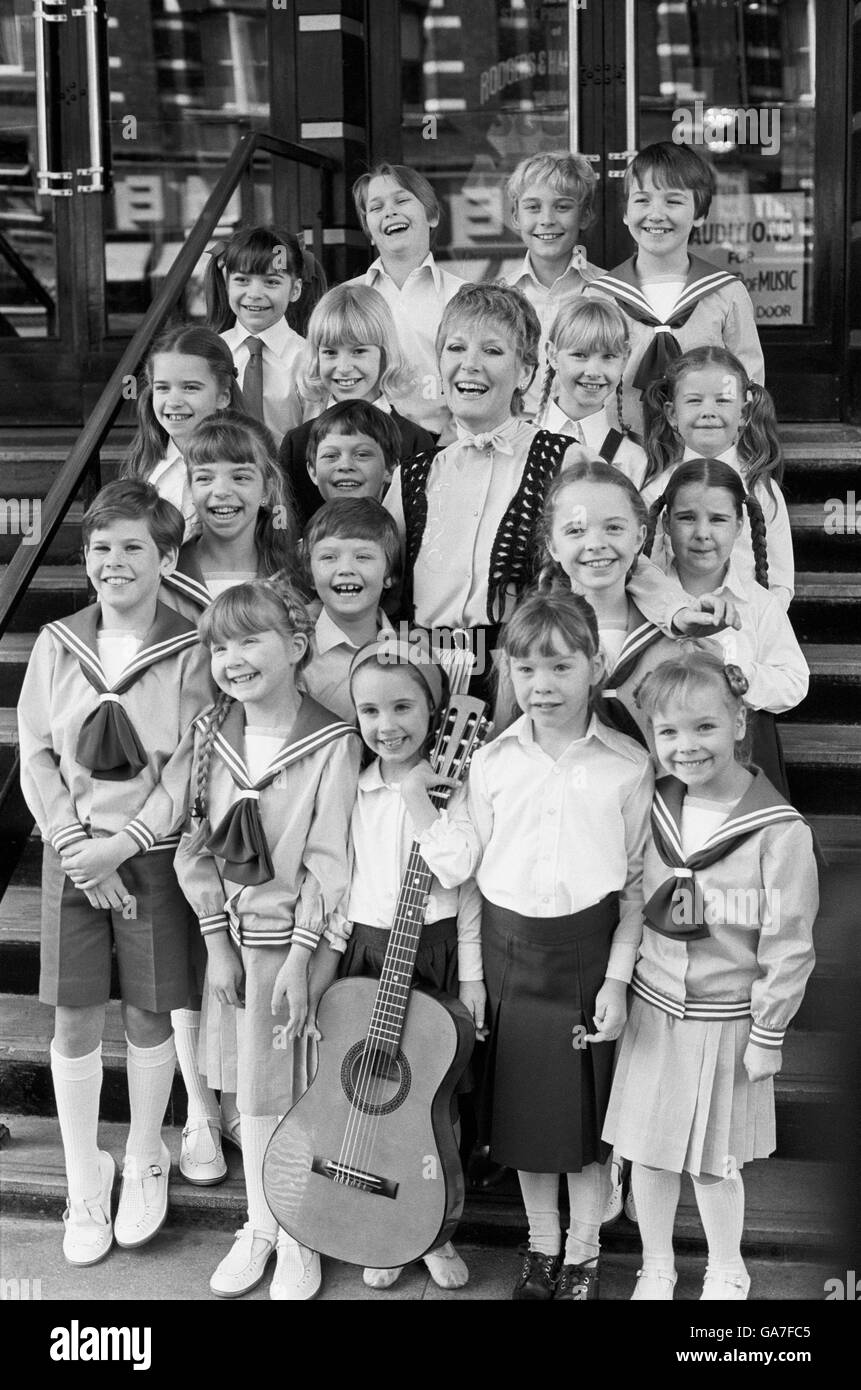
{"type": "Point", "coordinates": [681, 1098]}
{"type": "Point", "coordinates": [544, 1099]}
{"type": "Point", "coordinates": [245, 1050]}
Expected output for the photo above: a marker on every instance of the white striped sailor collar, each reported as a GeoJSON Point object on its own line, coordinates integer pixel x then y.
{"type": "Point", "coordinates": [168, 634]}
{"type": "Point", "coordinates": [760, 806]}
{"type": "Point", "coordinates": [639, 635]}
{"type": "Point", "coordinates": [187, 576]}
{"type": "Point", "coordinates": [312, 729]}
{"type": "Point", "coordinates": [523, 731]}
{"type": "Point", "coordinates": [327, 634]}
{"type": "Point", "coordinates": [376, 270]}
{"type": "Point", "coordinates": [702, 279]}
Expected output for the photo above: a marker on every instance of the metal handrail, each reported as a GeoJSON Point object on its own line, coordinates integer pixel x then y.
{"type": "Point", "coordinates": [27, 558]}
{"type": "Point", "coordinates": [37, 289]}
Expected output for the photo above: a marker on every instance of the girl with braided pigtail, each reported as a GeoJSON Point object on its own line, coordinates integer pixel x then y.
{"type": "Point", "coordinates": [264, 865]}
{"type": "Point", "coordinates": [731, 894]}
{"type": "Point", "coordinates": [587, 348]}
{"type": "Point", "coordinates": [701, 513]}
{"type": "Point", "coordinates": [705, 406]}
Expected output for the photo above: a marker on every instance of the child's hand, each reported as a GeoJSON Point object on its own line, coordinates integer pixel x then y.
{"type": "Point", "coordinates": [224, 970]}
{"type": "Point", "coordinates": [321, 973]}
{"type": "Point", "coordinates": [415, 790]}
{"type": "Point", "coordinates": [291, 990]}
{"type": "Point", "coordinates": [474, 996]}
{"type": "Point", "coordinates": [111, 893]}
{"type": "Point", "coordinates": [611, 1011]}
{"type": "Point", "coordinates": [762, 1062]}
{"type": "Point", "coordinates": [706, 616]}
{"type": "Point", "coordinates": [89, 862]}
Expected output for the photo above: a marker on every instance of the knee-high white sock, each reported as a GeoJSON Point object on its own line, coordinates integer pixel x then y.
{"type": "Point", "coordinates": [202, 1104]}
{"type": "Point", "coordinates": [257, 1130]}
{"type": "Point", "coordinates": [77, 1089]}
{"type": "Point", "coordinates": [656, 1193]}
{"type": "Point", "coordinates": [721, 1207]}
{"type": "Point", "coordinates": [541, 1200]}
{"type": "Point", "coordinates": [150, 1072]}
{"type": "Point", "coordinates": [588, 1192]}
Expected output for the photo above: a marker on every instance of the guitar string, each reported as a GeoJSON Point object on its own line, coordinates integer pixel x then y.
{"type": "Point", "coordinates": [404, 940]}
{"type": "Point", "coordinates": [360, 1142]}
{"type": "Point", "coordinates": [389, 1012]}
{"type": "Point", "coordinates": [352, 1144]}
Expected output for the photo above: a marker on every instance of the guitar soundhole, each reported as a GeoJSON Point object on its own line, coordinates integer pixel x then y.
{"type": "Point", "coordinates": [373, 1081]}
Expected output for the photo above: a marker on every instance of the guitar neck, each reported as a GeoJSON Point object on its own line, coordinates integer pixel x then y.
{"type": "Point", "coordinates": [390, 1007]}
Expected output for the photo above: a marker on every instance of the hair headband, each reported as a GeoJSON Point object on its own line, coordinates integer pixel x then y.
{"type": "Point", "coordinates": [389, 650]}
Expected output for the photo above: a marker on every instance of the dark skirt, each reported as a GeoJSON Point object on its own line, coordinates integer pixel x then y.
{"type": "Point", "coordinates": [435, 968]}
{"type": "Point", "coordinates": [766, 749]}
{"type": "Point", "coordinates": [544, 1101]}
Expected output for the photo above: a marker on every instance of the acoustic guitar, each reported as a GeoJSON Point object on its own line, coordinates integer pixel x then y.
{"type": "Point", "coordinates": [365, 1166]}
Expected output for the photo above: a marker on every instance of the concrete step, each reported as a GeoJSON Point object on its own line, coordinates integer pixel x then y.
{"type": "Point", "coordinates": [179, 1263]}
{"type": "Point", "coordinates": [53, 592]}
{"type": "Point", "coordinates": [826, 532]}
{"type": "Point", "coordinates": [66, 546]}
{"type": "Point", "coordinates": [790, 1206]}
{"type": "Point", "coordinates": [807, 1092]}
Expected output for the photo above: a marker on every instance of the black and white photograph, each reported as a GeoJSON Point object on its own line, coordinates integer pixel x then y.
{"type": "Point", "coordinates": [430, 649]}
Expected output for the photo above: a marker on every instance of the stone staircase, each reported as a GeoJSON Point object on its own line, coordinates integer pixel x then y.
{"type": "Point", "coordinates": [793, 1206]}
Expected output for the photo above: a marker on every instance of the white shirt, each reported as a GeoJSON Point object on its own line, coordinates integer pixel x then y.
{"type": "Point", "coordinates": [326, 675]}
{"type": "Point", "coordinates": [262, 746]}
{"type": "Point", "coordinates": [765, 647]}
{"type": "Point", "coordinates": [117, 650]}
{"type": "Point", "coordinates": [663, 295]}
{"type": "Point", "coordinates": [381, 837]}
{"type": "Point", "coordinates": [170, 480]}
{"type": "Point", "coordinates": [282, 408]}
{"type": "Point", "coordinates": [218, 583]}
{"type": "Point", "coordinates": [468, 493]}
{"type": "Point", "coordinates": [630, 458]}
{"type": "Point", "coordinates": [417, 310]}
{"type": "Point", "coordinates": [557, 837]}
{"type": "Point", "coordinates": [546, 303]}
{"type": "Point", "coordinates": [778, 533]}
{"type": "Point", "coordinates": [700, 820]}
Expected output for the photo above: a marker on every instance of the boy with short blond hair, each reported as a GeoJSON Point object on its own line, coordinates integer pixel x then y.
{"type": "Point", "coordinates": [552, 199]}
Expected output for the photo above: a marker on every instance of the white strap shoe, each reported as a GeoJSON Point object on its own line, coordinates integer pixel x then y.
{"type": "Point", "coordinates": [652, 1285]}
{"type": "Point", "coordinates": [143, 1201]}
{"type": "Point", "coordinates": [201, 1160]}
{"type": "Point", "coordinates": [725, 1286]}
{"type": "Point", "coordinates": [88, 1234]}
{"type": "Point", "coordinates": [244, 1267]}
{"type": "Point", "coordinates": [297, 1274]}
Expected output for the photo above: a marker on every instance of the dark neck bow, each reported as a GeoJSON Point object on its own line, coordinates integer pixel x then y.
{"type": "Point", "coordinates": [675, 909]}
{"type": "Point", "coordinates": [622, 283]}
{"type": "Point", "coordinates": [640, 636]}
{"type": "Point", "coordinates": [239, 839]}
{"type": "Point", "coordinates": [108, 745]}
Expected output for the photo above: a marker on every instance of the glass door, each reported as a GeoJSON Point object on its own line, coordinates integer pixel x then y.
{"type": "Point", "coordinates": [487, 82]}
{"type": "Point", "coordinates": [46, 125]}
{"type": "Point", "coordinates": [738, 80]}
{"type": "Point", "coordinates": [115, 124]}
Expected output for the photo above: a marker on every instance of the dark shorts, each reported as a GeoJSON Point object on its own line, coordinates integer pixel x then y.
{"type": "Point", "coordinates": [155, 944]}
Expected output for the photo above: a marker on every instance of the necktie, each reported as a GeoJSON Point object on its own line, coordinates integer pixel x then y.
{"type": "Point", "coordinates": [252, 382]}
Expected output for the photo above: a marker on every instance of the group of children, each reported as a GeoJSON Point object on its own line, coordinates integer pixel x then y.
{"type": "Point", "coordinates": [226, 754]}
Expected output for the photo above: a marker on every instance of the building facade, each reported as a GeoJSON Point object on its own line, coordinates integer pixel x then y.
{"type": "Point", "coordinates": [115, 127]}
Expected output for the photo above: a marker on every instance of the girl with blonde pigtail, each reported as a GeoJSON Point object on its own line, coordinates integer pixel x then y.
{"type": "Point", "coordinates": [264, 865]}
{"type": "Point", "coordinates": [587, 348]}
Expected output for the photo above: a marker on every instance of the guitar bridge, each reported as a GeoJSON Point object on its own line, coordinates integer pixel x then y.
{"type": "Point", "coordinates": [348, 1176]}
